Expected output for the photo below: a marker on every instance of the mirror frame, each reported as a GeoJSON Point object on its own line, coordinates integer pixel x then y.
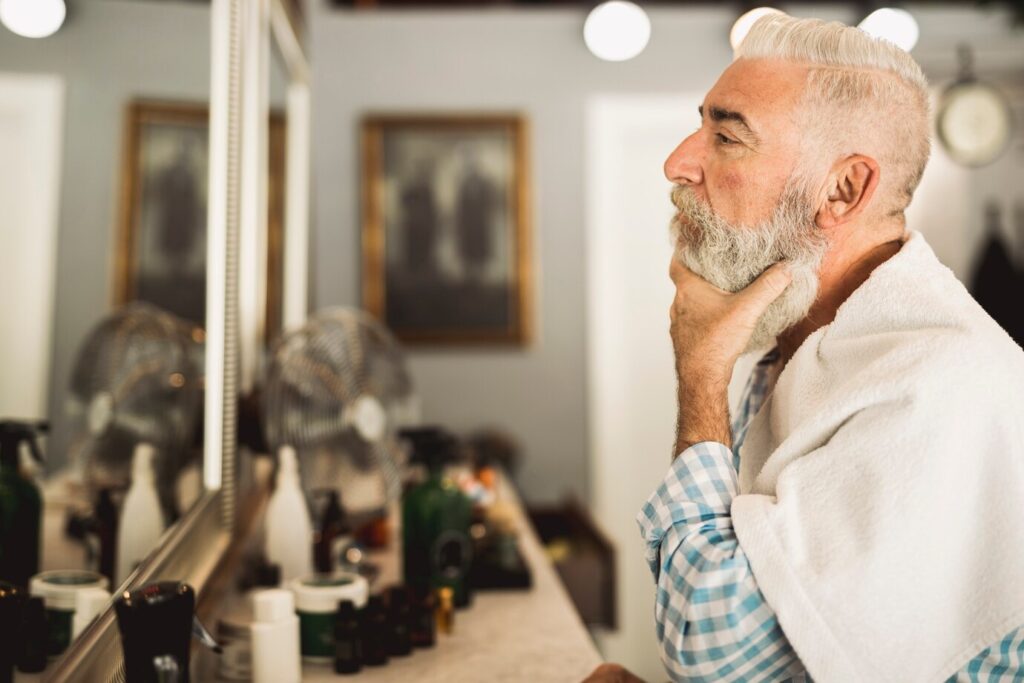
{"type": "Point", "coordinates": [191, 549]}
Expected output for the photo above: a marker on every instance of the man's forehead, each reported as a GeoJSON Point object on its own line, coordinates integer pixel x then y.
{"type": "Point", "coordinates": [759, 89]}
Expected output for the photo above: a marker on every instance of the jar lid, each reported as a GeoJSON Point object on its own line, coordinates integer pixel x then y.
{"type": "Point", "coordinates": [321, 594]}
{"type": "Point", "coordinates": [59, 588]}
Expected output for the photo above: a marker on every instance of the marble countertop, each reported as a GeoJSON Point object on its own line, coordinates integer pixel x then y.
{"type": "Point", "coordinates": [530, 635]}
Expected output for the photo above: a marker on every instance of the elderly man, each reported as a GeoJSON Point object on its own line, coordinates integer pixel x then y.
{"type": "Point", "coordinates": [861, 519]}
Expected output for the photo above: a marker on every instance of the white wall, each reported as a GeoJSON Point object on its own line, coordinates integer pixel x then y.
{"type": "Point", "coordinates": [30, 136]}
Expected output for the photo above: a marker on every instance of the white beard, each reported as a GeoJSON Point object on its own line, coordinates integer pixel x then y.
{"type": "Point", "coordinates": [731, 257]}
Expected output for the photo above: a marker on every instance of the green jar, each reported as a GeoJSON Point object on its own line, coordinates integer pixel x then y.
{"type": "Point", "coordinates": [59, 590]}
{"type": "Point", "coordinates": [316, 602]}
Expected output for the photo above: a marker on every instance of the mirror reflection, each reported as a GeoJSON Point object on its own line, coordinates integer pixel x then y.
{"type": "Point", "coordinates": [104, 127]}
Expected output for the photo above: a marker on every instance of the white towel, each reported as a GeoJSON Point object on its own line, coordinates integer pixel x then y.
{"type": "Point", "coordinates": [882, 485]}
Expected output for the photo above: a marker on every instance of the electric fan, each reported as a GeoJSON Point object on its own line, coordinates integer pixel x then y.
{"type": "Point", "coordinates": [337, 390]}
{"type": "Point", "coordinates": [137, 378]}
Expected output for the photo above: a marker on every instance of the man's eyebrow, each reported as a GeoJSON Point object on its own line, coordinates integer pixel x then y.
{"type": "Point", "coordinates": [719, 114]}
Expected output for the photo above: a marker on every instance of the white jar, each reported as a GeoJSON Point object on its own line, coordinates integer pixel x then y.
{"type": "Point", "coordinates": [59, 590]}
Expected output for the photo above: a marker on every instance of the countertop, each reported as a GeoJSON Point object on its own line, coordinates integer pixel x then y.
{"type": "Point", "coordinates": [533, 635]}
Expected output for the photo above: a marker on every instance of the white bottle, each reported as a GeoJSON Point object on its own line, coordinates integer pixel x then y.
{"type": "Point", "coordinates": [142, 521]}
{"type": "Point", "coordinates": [275, 638]}
{"type": "Point", "coordinates": [289, 527]}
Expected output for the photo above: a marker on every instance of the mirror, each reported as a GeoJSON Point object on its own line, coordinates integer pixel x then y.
{"type": "Point", "coordinates": [105, 130]}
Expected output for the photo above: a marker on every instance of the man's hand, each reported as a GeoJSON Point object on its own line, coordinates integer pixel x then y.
{"type": "Point", "coordinates": [710, 329]}
{"type": "Point", "coordinates": [611, 673]}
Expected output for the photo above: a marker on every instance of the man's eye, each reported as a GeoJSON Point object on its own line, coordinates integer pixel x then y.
{"type": "Point", "coordinates": [724, 140]}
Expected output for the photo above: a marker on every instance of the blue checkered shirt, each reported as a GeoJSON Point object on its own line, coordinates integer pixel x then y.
{"type": "Point", "coordinates": [713, 623]}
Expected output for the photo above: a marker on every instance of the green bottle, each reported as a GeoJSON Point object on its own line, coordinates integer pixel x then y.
{"type": "Point", "coordinates": [21, 505]}
{"type": "Point", "coordinates": [435, 521]}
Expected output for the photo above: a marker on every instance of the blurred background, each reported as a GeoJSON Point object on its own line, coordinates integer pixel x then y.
{"type": "Point", "coordinates": [486, 181]}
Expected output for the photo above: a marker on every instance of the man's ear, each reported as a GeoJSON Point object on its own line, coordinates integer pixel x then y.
{"type": "Point", "coordinates": [851, 185]}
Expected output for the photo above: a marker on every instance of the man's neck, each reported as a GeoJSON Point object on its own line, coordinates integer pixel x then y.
{"type": "Point", "coordinates": [841, 274]}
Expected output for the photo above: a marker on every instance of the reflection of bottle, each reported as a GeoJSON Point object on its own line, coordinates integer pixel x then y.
{"type": "Point", "coordinates": [435, 521]}
{"type": "Point", "coordinates": [289, 529]}
{"type": "Point", "coordinates": [106, 530]}
{"type": "Point", "coordinates": [142, 520]}
{"type": "Point", "coordinates": [20, 505]}
{"type": "Point", "coordinates": [12, 607]}
{"type": "Point", "coordinates": [33, 637]}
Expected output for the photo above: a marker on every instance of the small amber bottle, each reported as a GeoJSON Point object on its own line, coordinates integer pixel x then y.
{"type": "Point", "coordinates": [445, 610]}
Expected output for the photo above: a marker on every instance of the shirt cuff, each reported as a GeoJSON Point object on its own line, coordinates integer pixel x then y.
{"type": "Point", "coordinates": [698, 488]}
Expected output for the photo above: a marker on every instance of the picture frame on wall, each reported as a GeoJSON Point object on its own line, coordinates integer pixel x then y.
{"type": "Point", "coordinates": [445, 239]}
{"type": "Point", "coordinates": [161, 243]}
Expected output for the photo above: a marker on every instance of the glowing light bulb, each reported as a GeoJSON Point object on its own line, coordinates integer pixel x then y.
{"type": "Point", "coordinates": [895, 25]}
{"type": "Point", "coordinates": [746, 21]}
{"type": "Point", "coordinates": [33, 18]}
{"type": "Point", "coordinates": [617, 30]}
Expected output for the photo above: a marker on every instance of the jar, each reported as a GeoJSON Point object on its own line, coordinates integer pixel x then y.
{"type": "Point", "coordinates": [59, 590]}
{"type": "Point", "coordinates": [316, 602]}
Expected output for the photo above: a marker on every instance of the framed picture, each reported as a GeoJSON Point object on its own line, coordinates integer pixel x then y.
{"type": "Point", "coordinates": [446, 254]}
{"type": "Point", "coordinates": [161, 246]}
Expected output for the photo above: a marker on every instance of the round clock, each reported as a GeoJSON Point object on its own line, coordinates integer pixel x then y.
{"type": "Point", "coordinates": [974, 123]}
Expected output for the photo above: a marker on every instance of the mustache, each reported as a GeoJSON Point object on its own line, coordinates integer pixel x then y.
{"type": "Point", "coordinates": [681, 196]}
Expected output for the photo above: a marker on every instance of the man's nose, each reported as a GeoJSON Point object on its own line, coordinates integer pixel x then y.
{"type": "Point", "coordinates": [683, 166]}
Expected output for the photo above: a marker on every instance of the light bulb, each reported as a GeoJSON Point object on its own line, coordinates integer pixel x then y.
{"type": "Point", "coordinates": [746, 21]}
{"type": "Point", "coordinates": [895, 25]}
{"type": "Point", "coordinates": [617, 30]}
{"type": "Point", "coordinates": [33, 18]}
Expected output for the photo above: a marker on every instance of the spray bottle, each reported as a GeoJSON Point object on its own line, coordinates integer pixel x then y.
{"type": "Point", "coordinates": [435, 521]}
{"type": "Point", "coordinates": [20, 504]}
{"type": "Point", "coordinates": [289, 527]}
{"type": "Point", "coordinates": [142, 520]}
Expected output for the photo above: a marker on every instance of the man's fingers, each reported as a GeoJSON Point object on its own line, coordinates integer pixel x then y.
{"type": "Point", "coordinates": [768, 285]}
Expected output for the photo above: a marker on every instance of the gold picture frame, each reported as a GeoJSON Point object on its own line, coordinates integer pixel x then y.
{"type": "Point", "coordinates": [160, 253]}
{"type": "Point", "coordinates": [446, 237]}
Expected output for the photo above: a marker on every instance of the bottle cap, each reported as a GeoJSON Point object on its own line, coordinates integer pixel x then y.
{"type": "Point", "coordinates": [273, 604]}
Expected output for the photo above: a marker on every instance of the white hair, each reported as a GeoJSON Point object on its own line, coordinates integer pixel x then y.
{"type": "Point", "coordinates": [863, 95]}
